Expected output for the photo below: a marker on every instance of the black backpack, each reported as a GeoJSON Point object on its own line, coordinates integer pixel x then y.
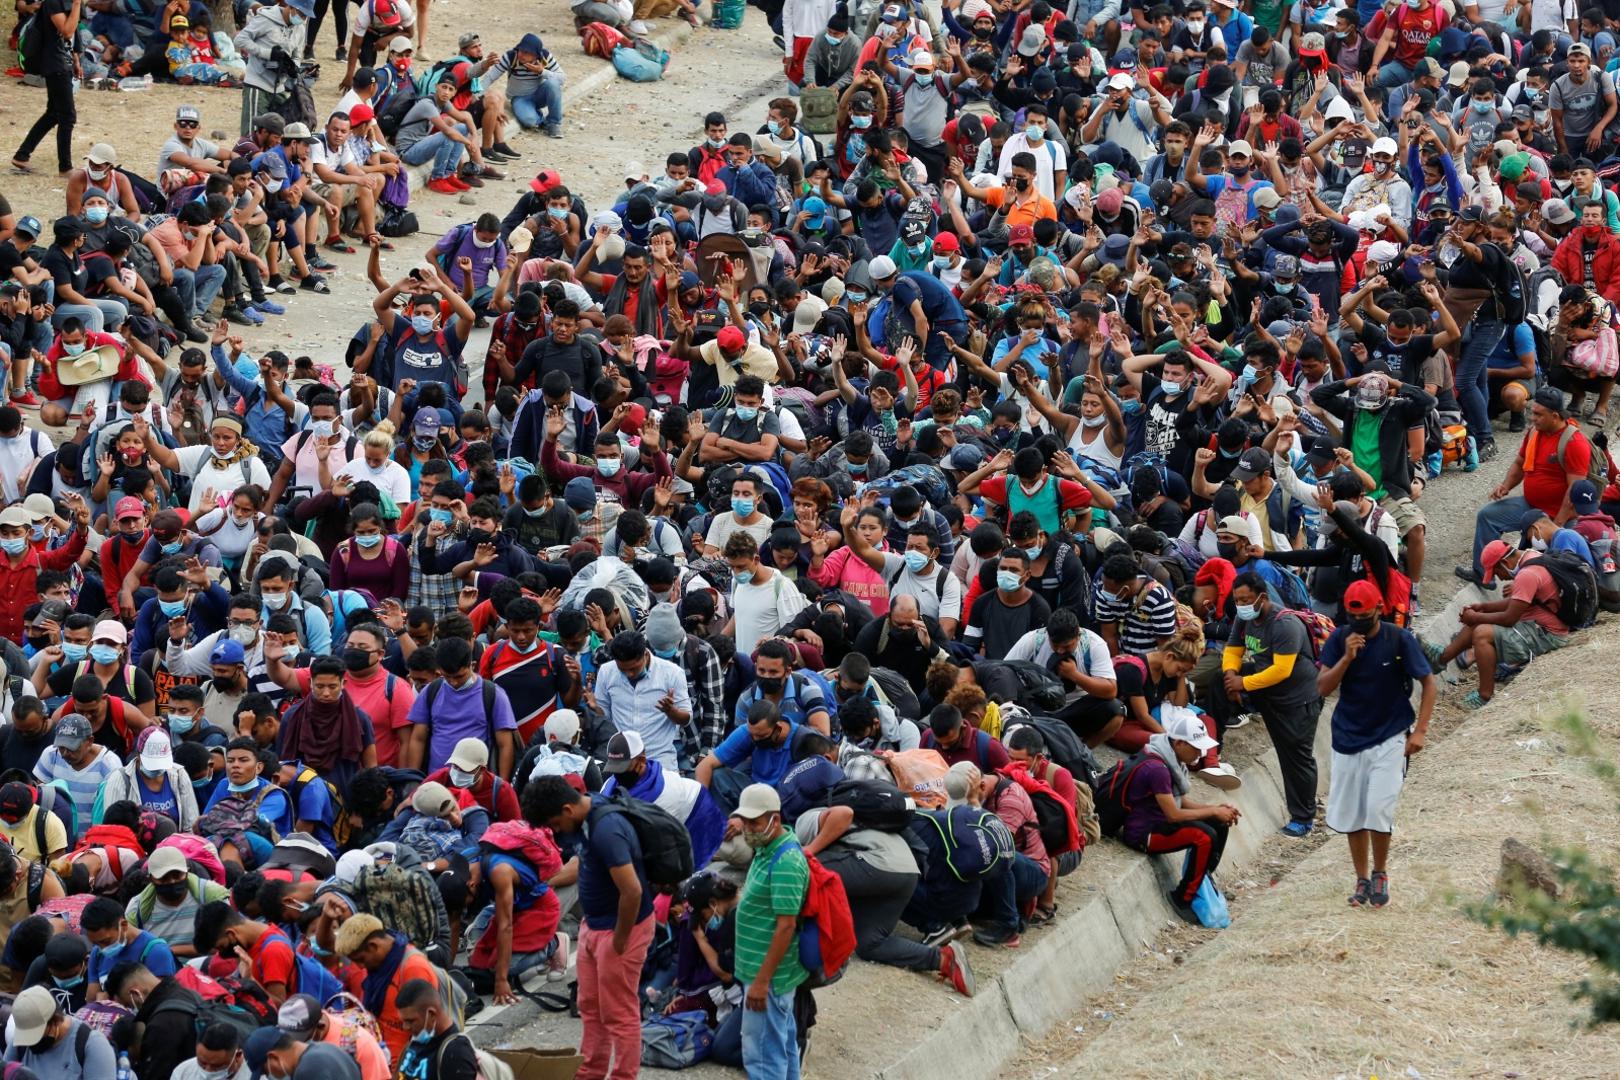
{"type": "Point", "coordinates": [877, 805]}
{"type": "Point", "coordinates": [666, 846]}
{"type": "Point", "coordinates": [902, 698]}
{"type": "Point", "coordinates": [1063, 746]}
{"type": "Point", "coordinates": [1111, 790]}
{"type": "Point", "coordinates": [1577, 587]}
{"type": "Point", "coordinates": [205, 1014]}
{"type": "Point", "coordinates": [1040, 690]}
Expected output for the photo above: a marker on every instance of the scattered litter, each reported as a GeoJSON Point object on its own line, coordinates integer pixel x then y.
{"type": "Point", "coordinates": [1102, 1014]}
{"type": "Point", "coordinates": [1176, 1037]}
{"type": "Point", "coordinates": [1413, 1074]}
{"type": "Point", "coordinates": [1506, 799]}
{"type": "Point", "coordinates": [1528, 744]}
{"type": "Point", "coordinates": [1078, 1028]}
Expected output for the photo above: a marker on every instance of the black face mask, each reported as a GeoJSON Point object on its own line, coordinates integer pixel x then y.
{"type": "Point", "coordinates": [759, 309]}
{"type": "Point", "coordinates": [480, 536]}
{"type": "Point", "coordinates": [46, 1044]}
{"type": "Point", "coordinates": [771, 684]}
{"type": "Point", "coordinates": [766, 743]}
{"type": "Point", "coordinates": [173, 892]}
{"type": "Point", "coordinates": [1363, 624]}
{"type": "Point", "coordinates": [39, 641]}
{"type": "Point", "coordinates": [356, 659]}
{"type": "Point", "coordinates": [1226, 551]}
{"type": "Point", "coordinates": [984, 33]}
{"type": "Point", "coordinates": [1021, 183]}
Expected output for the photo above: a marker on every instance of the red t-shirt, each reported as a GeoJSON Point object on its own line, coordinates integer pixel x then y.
{"type": "Point", "coordinates": [1413, 30]}
{"type": "Point", "coordinates": [273, 962]}
{"type": "Point", "coordinates": [1545, 480]}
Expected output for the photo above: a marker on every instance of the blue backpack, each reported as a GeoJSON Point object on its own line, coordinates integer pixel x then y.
{"type": "Point", "coordinates": [642, 62]}
{"type": "Point", "coordinates": [315, 980]}
{"type": "Point", "coordinates": [928, 481]}
{"type": "Point", "coordinates": [975, 840]}
{"type": "Point", "coordinates": [676, 1041]}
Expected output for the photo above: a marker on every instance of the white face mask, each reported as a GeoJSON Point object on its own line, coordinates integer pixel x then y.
{"type": "Point", "coordinates": [483, 245]}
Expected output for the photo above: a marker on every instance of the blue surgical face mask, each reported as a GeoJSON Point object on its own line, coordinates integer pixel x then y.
{"type": "Point", "coordinates": [746, 413]}
{"type": "Point", "coordinates": [1130, 405]}
{"type": "Point", "coordinates": [171, 548]}
{"type": "Point", "coordinates": [742, 507]}
{"type": "Point", "coordinates": [1033, 552]}
{"type": "Point", "coordinates": [743, 577]}
{"type": "Point", "coordinates": [1250, 373]}
{"type": "Point", "coordinates": [860, 123]}
{"type": "Point", "coordinates": [14, 546]}
{"type": "Point", "coordinates": [924, 78]}
{"type": "Point", "coordinates": [1171, 389]}
{"type": "Point", "coordinates": [68, 984]}
{"type": "Point", "coordinates": [368, 540]}
{"type": "Point", "coordinates": [855, 466]}
{"type": "Point", "coordinates": [423, 1037]}
{"type": "Point", "coordinates": [1247, 612]}
{"type": "Point", "coordinates": [558, 212]}
{"type": "Point", "coordinates": [443, 517]}
{"type": "Point", "coordinates": [73, 348]}
{"type": "Point", "coordinates": [1483, 107]}
{"type": "Point", "coordinates": [1285, 288]}
{"type": "Point", "coordinates": [422, 324]}
{"type": "Point", "coordinates": [525, 650]}
{"type": "Point", "coordinates": [538, 511]}
{"type": "Point", "coordinates": [179, 724]}
{"type": "Point", "coordinates": [916, 560]}
{"type": "Point", "coordinates": [1035, 132]}
{"type": "Point", "coordinates": [242, 789]}
{"type": "Point", "coordinates": [95, 215]}
{"type": "Point", "coordinates": [172, 608]}
{"type": "Point", "coordinates": [664, 654]}
{"type": "Point", "coordinates": [462, 779]}
{"type": "Point", "coordinates": [609, 466]}
{"type": "Point", "coordinates": [1008, 580]}
{"type": "Point", "coordinates": [942, 262]}
{"type": "Point", "coordinates": [73, 652]}
{"type": "Point", "coordinates": [854, 296]}
{"type": "Point", "coordinates": [104, 654]}
{"type": "Point", "coordinates": [716, 922]}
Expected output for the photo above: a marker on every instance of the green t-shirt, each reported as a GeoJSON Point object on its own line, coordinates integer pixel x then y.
{"type": "Point", "coordinates": [1364, 446]}
{"type": "Point", "coordinates": [1267, 13]}
{"type": "Point", "coordinates": [778, 879]}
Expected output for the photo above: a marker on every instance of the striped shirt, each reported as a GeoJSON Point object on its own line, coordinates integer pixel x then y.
{"type": "Point", "coordinates": [778, 879]}
{"type": "Point", "coordinates": [1144, 620]}
{"type": "Point", "coordinates": [83, 785]}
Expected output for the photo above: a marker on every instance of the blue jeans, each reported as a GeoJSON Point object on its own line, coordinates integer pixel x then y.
{"type": "Point", "coordinates": [441, 149]}
{"type": "Point", "coordinates": [546, 101]}
{"type": "Point", "coordinates": [770, 1045]}
{"type": "Point", "coordinates": [1007, 890]}
{"type": "Point", "coordinates": [1391, 74]}
{"type": "Point", "coordinates": [98, 315]}
{"type": "Point", "coordinates": [1494, 519]}
{"type": "Point", "coordinates": [197, 288]}
{"type": "Point", "coordinates": [1473, 384]}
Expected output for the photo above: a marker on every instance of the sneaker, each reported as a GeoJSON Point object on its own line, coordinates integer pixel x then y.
{"type": "Point", "coordinates": [1222, 776]}
{"type": "Point", "coordinates": [1487, 451]}
{"type": "Point", "coordinates": [1297, 829]}
{"type": "Point", "coordinates": [460, 183]}
{"type": "Point", "coordinates": [196, 335]}
{"type": "Point", "coordinates": [554, 131]}
{"type": "Point", "coordinates": [1185, 911]}
{"type": "Point", "coordinates": [954, 969]}
{"type": "Point", "coordinates": [1467, 573]}
{"type": "Point", "coordinates": [206, 321]}
{"type": "Point", "coordinates": [497, 155]}
{"type": "Point", "coordinates": [1363, 893]}
{"type": "Point", "coordinates": [503, 148]}
{"type": "Point", "coordinates": [1241, 720]}
{"type": "Point", "coordinates": [1473, 702]}
{"type": "Point", "coordinates": [322, 263]}
{"type": "Point", "coordinates": [470, 179]}
{"type": "Point", "coordinates": [949, 932]}
{"type": "Point", "coordinates": [490, 174]}
{"type": "Point", "coordinates": [444, 185]}
{"type": "Point", "coordinates": [242, 316]}
{"type": "Point", "coordinates": [1516, 422]}
{"type": "Point", "coordinates": [1378, 889]}
{"type": "Point", "coordinates": [557, 966]}
{"type": "Point", "coordinates": [26, 400]}
{"type": "Point", "coordinates": [269, 307]}
{"type": "Point", "coordinates": [997, 939]}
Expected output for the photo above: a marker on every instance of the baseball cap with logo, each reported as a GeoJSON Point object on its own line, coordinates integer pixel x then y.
{"type": "Point", "coordinates": [1254, 462]}
{"type": "Point", "coordinates": [72, 732]}
{"type": "Point", "coordinates": [129, 507]}
{"type": "Point", "coordinates": [16, 799]}
{"type": "Point", "coordinates": [623, 749]}
{"type": "Point", "coordinates": [298, 1016]}
{"type": "Point", "coordinates": [1362, 597]}
{"type": "Point", "coordinates": [188, 112]}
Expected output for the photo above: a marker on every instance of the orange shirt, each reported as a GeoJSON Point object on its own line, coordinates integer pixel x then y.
{"type": "Point", "coordinates": [359, 1044]}
{"type": "Point", "coordinates": [414, 966]}
{"type": "Point", "coordinates": [1021, 214]}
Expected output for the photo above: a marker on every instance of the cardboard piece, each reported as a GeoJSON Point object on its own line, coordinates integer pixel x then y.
{"type": "Point", "coordinates": [542, 1064]}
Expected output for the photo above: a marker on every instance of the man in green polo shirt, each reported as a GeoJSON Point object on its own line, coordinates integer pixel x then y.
{"type": "Point", "coordinates": [767, 954]}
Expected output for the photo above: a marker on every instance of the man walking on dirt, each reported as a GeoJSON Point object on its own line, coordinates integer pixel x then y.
{"type": "Point", "coordinates": [1372, 664]}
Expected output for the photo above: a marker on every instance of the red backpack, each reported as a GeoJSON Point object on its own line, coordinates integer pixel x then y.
{"type": "Point", "coordinates": [826, 927]}
{"type": "Point", "coordinates": [600, 39]}
{"type": "Point", "coordinates": [1060, 832]}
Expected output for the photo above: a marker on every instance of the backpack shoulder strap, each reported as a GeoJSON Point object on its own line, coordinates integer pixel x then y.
{"type": "Point", "coordinates": [487, 689]}
{"type": "Point", "coordinates": [1565, 437]}
{"type": "Point", "coordinates": [81, 1042]}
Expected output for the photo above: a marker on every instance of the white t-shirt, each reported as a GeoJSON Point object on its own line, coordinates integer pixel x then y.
{"type": "Point", "coordinates": [392, 478]}
{"type": "Point", "coordinates": [336, 160]}
{"type": "Point", "coordinates": [17, 458]}
{"type": "Point", "coordinates": [232, 539]}
{"type": "Point", "coordinates": [724, 526]}
{"type": "Point", "coordinates": [932, 600]}
{"type": "Point", "coordinates": [761, 610]}
{"type": "Point", "coordinates": [199, 463]}
{"type": "Point", "coordinates": [1092, 650]}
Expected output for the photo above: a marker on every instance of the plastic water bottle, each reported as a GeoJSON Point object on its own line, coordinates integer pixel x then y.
{"type": "Point", "coordinates": [124, 1070]}
{"type": "Point", "coordinates": [135, 82]}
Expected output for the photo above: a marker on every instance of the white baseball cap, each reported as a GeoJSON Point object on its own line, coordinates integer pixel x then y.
{"type": "Point", "coordinates": [1183, 725]}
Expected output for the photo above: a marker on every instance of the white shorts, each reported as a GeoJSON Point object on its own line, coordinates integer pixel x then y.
{"type": "Point", "coordinates": [1364, 787]}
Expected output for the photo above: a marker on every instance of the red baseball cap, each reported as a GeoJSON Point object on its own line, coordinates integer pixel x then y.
{"type": "Point", "coordinates": [1492, 557]}
{"type": "Point", "coordinates": [544, 181]}
{"type": "Point", "coordinates": [129, 506]}
{"type": "Point", "coordinates": [946, 241]}
{"type": "Point", "coordinates": [1362, 598]}
{"type": "Point", "coordinates": [731, 339]}
{"type": "Point", "coordinates": [361, 114]}
{"type": "Point", "coordinates": [636, 416]}
{"type": "Point", "coordinates": [1020, 234]}
{"type": "Point", "coordinates": [715, 188]}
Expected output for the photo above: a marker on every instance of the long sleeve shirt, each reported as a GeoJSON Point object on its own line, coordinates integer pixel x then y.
{"type": "Point", "coordinates": [633, 706]}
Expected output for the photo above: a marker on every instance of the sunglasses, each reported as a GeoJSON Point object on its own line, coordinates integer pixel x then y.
{"type": "Point", "coordinates": [187, 123]}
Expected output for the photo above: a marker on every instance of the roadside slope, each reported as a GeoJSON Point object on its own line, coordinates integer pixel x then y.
{"type": "Point", "coordinates": [1302, 985]}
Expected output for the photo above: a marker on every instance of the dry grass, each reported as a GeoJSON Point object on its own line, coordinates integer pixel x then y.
{"type": "Point", "coordinates": [1303, 986]}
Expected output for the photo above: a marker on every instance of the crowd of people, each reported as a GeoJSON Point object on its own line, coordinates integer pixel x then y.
{"type": "Point", "coordinates": [1025, 381]}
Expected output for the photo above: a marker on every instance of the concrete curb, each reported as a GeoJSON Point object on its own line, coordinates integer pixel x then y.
{"type": "Point", "coordinates": [1078, 956]}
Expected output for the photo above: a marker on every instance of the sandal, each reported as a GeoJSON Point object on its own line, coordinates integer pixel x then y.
{"type": "Point", "coordinates": [1043, 915]}
{"type": "Point", "coordinates": [377, 238]}
{"type": "Point", "coordinates": [21, 165]}
{"type": "Point", "coordinates": [1473, 702]}
{"type": "Point", "coordinates": [315, 284]}
{"type": "Point", "coordinates": [339, 245]}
